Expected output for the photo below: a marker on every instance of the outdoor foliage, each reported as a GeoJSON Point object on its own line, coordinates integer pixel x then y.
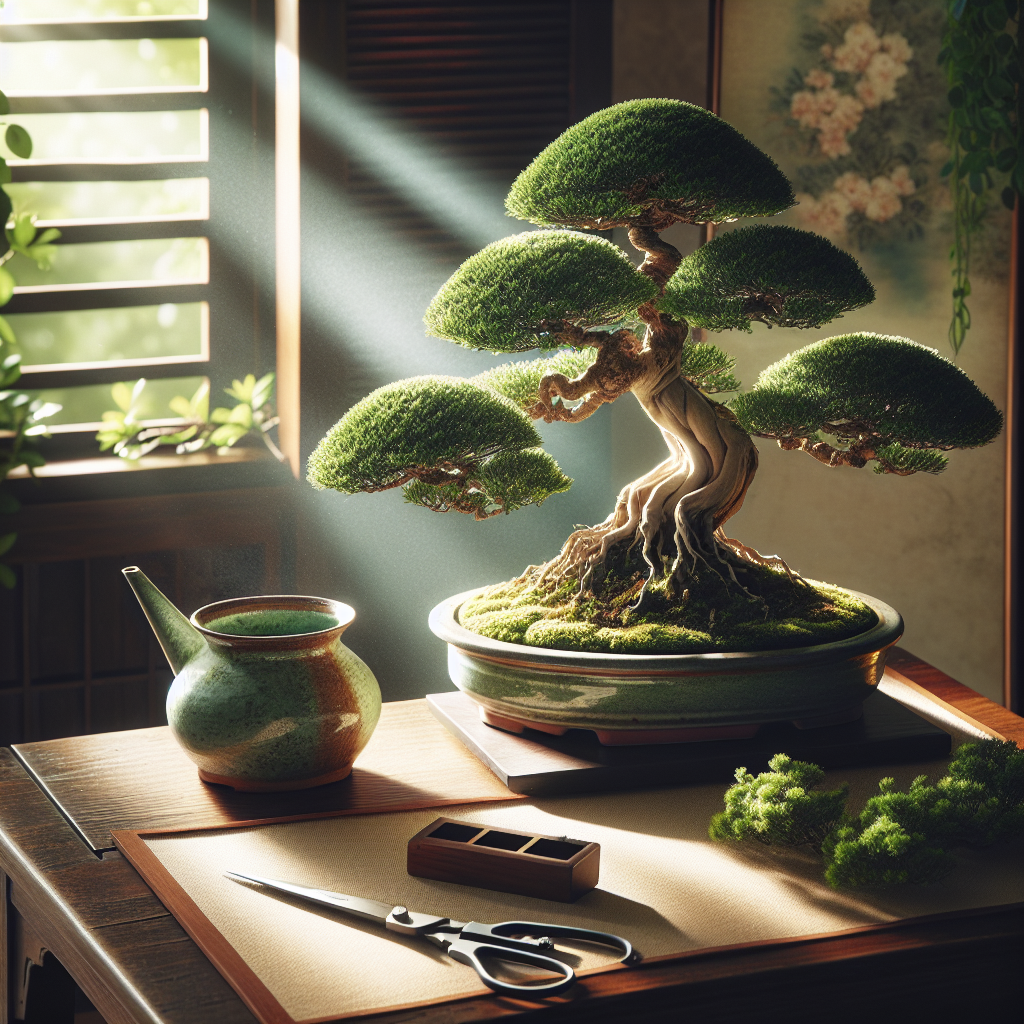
{"type": "Point", "coordinates": [898, 836]}
{"type": "Point", "coordinates": [21, 416]}
{"type": "Point", "coordinates": [196, 427]}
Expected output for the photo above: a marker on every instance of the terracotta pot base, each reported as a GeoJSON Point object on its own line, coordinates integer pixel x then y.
{"type": "Point", "coordinates": [255, 786]}
{"type": "Point", "coordinates": [627, 737]}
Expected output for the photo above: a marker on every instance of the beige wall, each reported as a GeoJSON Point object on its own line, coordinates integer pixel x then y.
{"type": "Point", "coordinates": [930, 546]}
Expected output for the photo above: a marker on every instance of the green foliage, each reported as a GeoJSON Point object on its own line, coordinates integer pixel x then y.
{"type": "Point", "coordinates": [643, 155]}
{"type": "Point", "coordinates": [896, 458]}
{"type": "Point", "coordinates": [887, 387]}
{"type": "Point", "coordinates": [515, 294]}
{"type": "Point", "coordinates": [898, 836]}
{"type": "Point", "coordinates": [131, 438]}
{"type": "Point", "coordinates": [508, 481]}
{"type": "Point", "coordinates": [709, 367]}
{"type": "Point", "coordinates": [781, 806]}
{"type": "Point", "coordinates": [778, 275]}
{"type": "Point", "coordinates": [23, 238]}
{"type": "Point", "coordinates": [519, 381]}
{"type": "Point", "coordinates": [982, 57]}
{"type": "Point", "coordinates": [423, 423]}
{"type": "Point", "coordinates": [21, 417]}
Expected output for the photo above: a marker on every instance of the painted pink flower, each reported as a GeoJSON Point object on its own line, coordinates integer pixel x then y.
{"type": "Point", "coordinates": [833, 141]}
{"type": "Point", "coordinates": [879, 82]}
{"type": "Point", "coordinates": [902, 181]}
{"type": "Point", "coordinates": [854, 189]}
{"type": "Point", "coordinates": [804, 107]}
{"type": "Point", "coordinates": [826, 51]}
{"type": "Point", "coordinates": [860, 43]}
{"type": "Point", "coordinates": [847, 112]}
{"type": "Point", "coordinates": [816, 78]}
{"type": "Point", "coordinates": [885, 202]}
{"type": "Point", "coordinates": [826, 215]}
{"type": "Point", "coordinates": [897, 47]}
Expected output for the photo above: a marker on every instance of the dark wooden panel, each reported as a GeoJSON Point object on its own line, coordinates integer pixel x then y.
{"type": "Point", "coordinates": [120, 633]}
{"type": "Point", "coordinates": [10, 634]}
{"type": "Point", "coordinates": [55, 594]}
{"type": "Point", "coordinates": [57, 711]}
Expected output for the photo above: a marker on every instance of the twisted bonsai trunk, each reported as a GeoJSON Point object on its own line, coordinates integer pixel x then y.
{"type": "Point", "coordinates": [676, 511]}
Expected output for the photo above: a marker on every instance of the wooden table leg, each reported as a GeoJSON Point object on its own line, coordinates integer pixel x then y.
{"type": "Point", "coordinates": [38, 989]}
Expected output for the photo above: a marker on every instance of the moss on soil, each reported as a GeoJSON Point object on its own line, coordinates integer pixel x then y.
{"type": "Point", "coordinates": [709, 615]}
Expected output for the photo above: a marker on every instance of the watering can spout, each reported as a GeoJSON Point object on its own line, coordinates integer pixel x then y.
{"type": "Point", "coordinates": [179, 639]}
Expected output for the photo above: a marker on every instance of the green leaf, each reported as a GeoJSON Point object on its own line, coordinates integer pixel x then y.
{"type": "Point", "coordinates": [180, 404]}
{"type": "Point", "coordinates": [5, 105]}
{"type": "Point", "coordinates": [956, 96]}
{"type": "Point", "coordinates": [947, 169]}
{"type": "Point", "coordinates": [24, 229]}
{"type": "Point", "coordinates": [49, 235]}
{"type": "Point", "coordinates": [122, 395]}
{"type": "Point", "coordinates": [227, 435]}
{"type": "Point", "coordinates": [6, 542]}
{"type": "Point", "coordinates": [33, 459]}
{"type": "Point", "coordinates": [6, 286]}
{"type": "Point", "coordinates": [242, 415]}
{"type": "Point", "coordinates": [9, 504]}
{"type": "Point", "coordinates": [994, 18]}
{"type": "Point", "coordinates": [42, 255]}
{"type": "Point", "coordinates": [263, 390]}
{"type": "Point", "coordinates": [19, 142]}
{"type": "Point", "coordinates": [5, 172]}
{"type": "Point", "coordinates": [220, 415]}
{"type": "Point", "coordinates": [7, 332]}
{"type": "Point", "coordinates": [977, 185]}
{"type": "Point", "coordinates": [7, 577]}
{"type": "Point", "coordinates": [1006, 158]}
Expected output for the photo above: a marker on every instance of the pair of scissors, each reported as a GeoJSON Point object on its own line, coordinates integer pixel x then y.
{"type": "Point", "coordinates": [518, 942]}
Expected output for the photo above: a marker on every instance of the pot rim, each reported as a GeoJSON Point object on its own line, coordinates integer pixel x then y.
{"type": "Point", "coordinates": [443, 622]}
{"type": "Point", "coordinates": [344, 613]}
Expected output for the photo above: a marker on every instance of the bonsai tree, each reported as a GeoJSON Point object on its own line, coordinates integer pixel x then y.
{"type": "Point", "coordinates": [659, 574]}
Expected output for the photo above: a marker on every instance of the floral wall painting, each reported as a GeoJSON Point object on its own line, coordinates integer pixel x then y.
{"type": "Point", "coordinates": [848, 97]}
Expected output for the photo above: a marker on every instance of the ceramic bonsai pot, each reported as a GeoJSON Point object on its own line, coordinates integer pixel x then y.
{"type": "Point", "coordinates": [638, 698]}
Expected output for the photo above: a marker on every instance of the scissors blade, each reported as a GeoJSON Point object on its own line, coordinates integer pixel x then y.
{"type": "Point", "coordinates": [356, 905]}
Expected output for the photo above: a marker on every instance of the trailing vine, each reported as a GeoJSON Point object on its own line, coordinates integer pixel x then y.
{"type": "Point", "coordinates": [982, 59]}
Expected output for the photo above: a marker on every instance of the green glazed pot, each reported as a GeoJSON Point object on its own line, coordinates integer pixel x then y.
{"type": "Point", "coordinates": [639, 698]}
{"type": "Point", "coordinates": [265, 695]}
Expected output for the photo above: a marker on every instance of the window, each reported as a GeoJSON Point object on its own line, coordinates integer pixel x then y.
{"type": "Point", "coordinates": [151, 123]}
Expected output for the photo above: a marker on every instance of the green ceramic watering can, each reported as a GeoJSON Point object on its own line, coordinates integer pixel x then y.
{"type": "Point", "coordinates": [265, 696]}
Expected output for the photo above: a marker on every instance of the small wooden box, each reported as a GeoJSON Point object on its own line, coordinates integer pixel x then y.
{"type": "Point", "coordinates": [524, 863]}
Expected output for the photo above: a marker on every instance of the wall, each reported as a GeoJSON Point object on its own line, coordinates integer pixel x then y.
{"type": "Point", "coordinates": [930, 546]}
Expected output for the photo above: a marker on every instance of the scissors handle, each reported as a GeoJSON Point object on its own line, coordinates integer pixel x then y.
{"type": "Point", "coordinates": [506, 933]}
{"type": "Point", "coordinates": [469, 952]}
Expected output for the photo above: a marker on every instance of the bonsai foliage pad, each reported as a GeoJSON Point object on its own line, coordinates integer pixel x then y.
{"type": "Point", "coordinates": [541, 764]}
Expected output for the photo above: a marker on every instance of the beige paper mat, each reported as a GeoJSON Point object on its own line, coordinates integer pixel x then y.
{"type": "Point", "coordinates": [663, 885]}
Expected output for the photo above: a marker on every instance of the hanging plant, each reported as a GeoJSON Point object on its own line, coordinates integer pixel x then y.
{"type": "Point", "coordinates": [981, 56]}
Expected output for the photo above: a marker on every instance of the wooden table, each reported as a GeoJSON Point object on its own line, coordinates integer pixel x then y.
{"type": "Point", "coordinates": [69, 892]}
